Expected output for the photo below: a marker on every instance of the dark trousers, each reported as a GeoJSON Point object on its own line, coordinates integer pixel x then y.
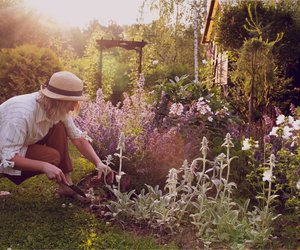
{"type": "Point", "coordinates": [53, 148]}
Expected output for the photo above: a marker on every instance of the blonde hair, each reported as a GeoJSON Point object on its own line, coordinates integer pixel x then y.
{"type": "Point", "coordinates": [57, 109]}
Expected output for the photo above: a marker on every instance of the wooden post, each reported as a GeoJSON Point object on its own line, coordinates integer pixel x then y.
{"type": "Point", "coordinates": [100, 68]}
{"type": "Point", "coordinates": [140, 61]}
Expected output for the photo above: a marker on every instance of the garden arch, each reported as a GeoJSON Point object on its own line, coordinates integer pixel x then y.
{"type": "Point", "coordinates": [128, 45]}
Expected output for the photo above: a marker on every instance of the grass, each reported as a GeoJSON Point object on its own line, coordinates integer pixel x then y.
{"type": "Point", "coordinates": [33, 218]}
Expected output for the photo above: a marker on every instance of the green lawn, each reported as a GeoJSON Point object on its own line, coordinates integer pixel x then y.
{"type": "Point", "coordinates": [33, 218]}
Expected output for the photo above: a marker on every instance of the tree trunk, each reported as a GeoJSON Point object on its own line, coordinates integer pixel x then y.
{"type": "Point", "coordinates": [196, 41]}
{"type": "Point", "coordinates": [251, 101]}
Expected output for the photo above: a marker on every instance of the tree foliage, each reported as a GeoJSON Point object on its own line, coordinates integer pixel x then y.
{"type": "Point", "coordinates": [23, 69]}
{"type": "Point", "coordinates": [261, 36]}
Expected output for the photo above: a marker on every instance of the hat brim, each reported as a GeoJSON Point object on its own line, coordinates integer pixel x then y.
{"type": "Point", "coordinates": [52, 95]}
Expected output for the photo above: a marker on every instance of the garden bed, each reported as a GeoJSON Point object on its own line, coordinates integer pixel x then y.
{"type": "Point", "coordinates": [185, 238]}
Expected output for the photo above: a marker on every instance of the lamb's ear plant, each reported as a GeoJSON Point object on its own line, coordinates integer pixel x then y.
{"type": "Point", "coordinates": [108, 161]}
{"type": "Point", "coordinates": [201, 187]}
{"type": "Point", "coordinates": [120, 208]}
{"type": "Point", "coordinates": [202, 198]}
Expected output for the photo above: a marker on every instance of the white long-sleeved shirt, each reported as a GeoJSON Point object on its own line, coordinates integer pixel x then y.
{"type": "Point", "coordinates": [22, 123]}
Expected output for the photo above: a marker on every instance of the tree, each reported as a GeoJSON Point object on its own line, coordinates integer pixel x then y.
{"type": "Point", "coordinates": [173, 45]}
{"type": "Point", "coordinates": [256, 68]}
{"type": "Point", "coordinates": [199, 12]}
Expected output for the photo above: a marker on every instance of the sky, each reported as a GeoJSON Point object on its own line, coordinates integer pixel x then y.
{"type": "Point", "coordinates": [80, 12]}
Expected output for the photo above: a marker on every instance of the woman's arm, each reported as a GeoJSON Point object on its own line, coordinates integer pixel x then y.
{"type": "Point", "coordinates": [26, 164]}
{"type": "Point", "coordinates": [86, 149]}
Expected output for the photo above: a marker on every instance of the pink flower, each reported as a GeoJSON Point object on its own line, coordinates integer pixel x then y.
{"type": "Point", "coordinates": [202, 106]}
{"type": "Point", "coordinates": [176, 109]}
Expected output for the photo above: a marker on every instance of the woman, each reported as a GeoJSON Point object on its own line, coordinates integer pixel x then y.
{"type": "Point", "coordinates": [34, 133]}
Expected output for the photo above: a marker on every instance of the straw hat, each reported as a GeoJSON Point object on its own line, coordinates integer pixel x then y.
{"type": "Point", "coordinates": [64, 85]}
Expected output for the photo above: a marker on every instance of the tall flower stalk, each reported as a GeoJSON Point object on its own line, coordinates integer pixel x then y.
{"type": "Point", "coordinates": [228, 144]}
{"type": "Point", "coordinates": [268, 176]}
{"type": "Point", "coordinates": [201, 176]}
{"type": "Point", "coordinates": [121, 148]}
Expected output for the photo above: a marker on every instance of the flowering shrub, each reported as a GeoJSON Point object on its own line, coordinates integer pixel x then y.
{"type": "Point", "coordinates": [149, 149]}
{"type": "Point", "coordinates": [154, 144]}
{"type": "Point", "coordinates": [283, 141]}
{"type": "Point", "coordinates": [104, 122]}
{"type": "Point", "coordinates": [287, 173]}
{"type": "Point", "coordinates": [191, 105]}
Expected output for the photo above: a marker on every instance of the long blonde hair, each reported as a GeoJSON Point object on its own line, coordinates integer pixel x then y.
{"type": "Point", "coordinates": [57, 109]}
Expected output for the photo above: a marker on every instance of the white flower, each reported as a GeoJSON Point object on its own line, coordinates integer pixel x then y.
{"type": "Point", "coordinates": [246, 144]}
{"type": "Point", "coordinates": [280, 119]}
{"type": "Point", "coordinates": [267, 175]}
{"type": "Point", "coordinates": [298, 185]}
{"type": "Point", "coordinates": [296, 124]}
{"type": "Point", "coordinates": [155, 62]}
{"type": "Point", "coordinates": [210, 118]}
{"type": "Point", "coordinates": [204, 61]}
{"type": "Point", "coordinates": [291, 119]}
{"type": "Point", "coordinates": [274, 131]}
{"type": "Point", "coordinates": [256, 145]}
{"type": "Point", "coordinates": [286, 132]}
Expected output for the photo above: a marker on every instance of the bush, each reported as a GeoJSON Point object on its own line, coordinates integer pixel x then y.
{"type": "Point", "coordinates": [24, 69]}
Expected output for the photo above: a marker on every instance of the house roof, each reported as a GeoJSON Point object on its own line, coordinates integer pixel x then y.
{"type": "Point", "coordinates": [212, 11]}
{"type": "Point", "coordinates": [214, 7]}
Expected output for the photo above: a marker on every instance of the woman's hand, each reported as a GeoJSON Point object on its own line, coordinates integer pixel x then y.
{"type": "Point", "coordinates": [54, 173]}
{"type": "Point", "coordinates": [106, 172]}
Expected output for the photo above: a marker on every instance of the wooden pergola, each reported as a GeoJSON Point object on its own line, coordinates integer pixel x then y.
{"type": "Point", "coordinates": [128, 45]}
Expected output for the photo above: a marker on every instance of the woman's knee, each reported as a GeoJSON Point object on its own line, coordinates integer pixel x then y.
{"type": "Point", "coordinates": [44, 153]}
{"type": "Point", "coordinates": [56, 157]}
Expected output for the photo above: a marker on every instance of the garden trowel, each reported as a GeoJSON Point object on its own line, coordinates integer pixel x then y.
{"type": "Point", "coordinates": [76, 189]}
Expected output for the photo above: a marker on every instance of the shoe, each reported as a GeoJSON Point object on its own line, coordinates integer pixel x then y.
{"type": "Point", "coordinates": [4, 194]}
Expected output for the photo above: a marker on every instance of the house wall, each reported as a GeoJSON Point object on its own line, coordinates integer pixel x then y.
{"type": "Point", "coordinates": [218, 58]}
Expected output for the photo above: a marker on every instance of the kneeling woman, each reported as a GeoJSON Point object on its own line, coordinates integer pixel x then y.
{"type": "Point", "coordinates": [34, 133]}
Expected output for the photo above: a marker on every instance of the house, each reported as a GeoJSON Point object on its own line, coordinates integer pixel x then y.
{"type": "Point", "coordinates": [213, 52]}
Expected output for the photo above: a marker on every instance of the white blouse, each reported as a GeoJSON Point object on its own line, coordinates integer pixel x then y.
{"type": "Point", "coordinates": [23, 122]}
